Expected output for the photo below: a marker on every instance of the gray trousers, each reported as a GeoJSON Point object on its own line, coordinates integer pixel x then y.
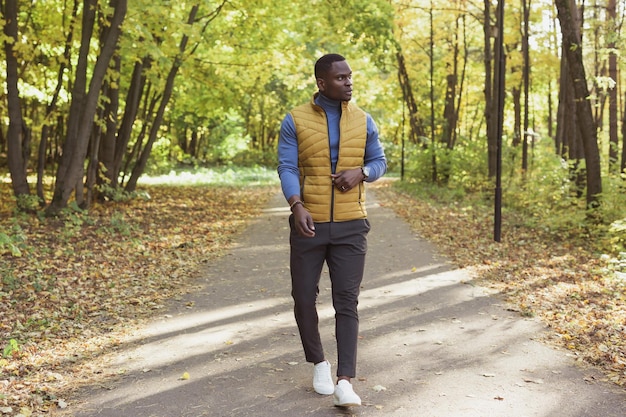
{"type": "Point", "coordinates": [343, 247]}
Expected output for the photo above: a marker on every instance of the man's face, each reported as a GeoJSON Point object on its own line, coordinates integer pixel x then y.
{"type": "Point", "coordinates": [337, 83]}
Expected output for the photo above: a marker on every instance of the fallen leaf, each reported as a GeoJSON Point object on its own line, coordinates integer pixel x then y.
{"type": "Point", "coordinates": [534, 381]}
{"type": "Point", "coordinates": [184, 376]}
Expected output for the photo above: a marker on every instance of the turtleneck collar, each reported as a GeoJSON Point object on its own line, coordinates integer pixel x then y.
{"type": "Point", "coordinates": [326, 103]}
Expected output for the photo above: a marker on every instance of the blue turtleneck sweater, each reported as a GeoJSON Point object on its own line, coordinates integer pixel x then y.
{"type": "Point", "coordinates": [288, 171]}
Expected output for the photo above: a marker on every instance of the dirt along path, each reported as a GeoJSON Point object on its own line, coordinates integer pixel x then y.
{"type": "Point", "coordinates": [432, 343]}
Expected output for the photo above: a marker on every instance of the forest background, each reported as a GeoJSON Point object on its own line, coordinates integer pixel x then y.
{"type": "Point", "coordinates": [103, 98]}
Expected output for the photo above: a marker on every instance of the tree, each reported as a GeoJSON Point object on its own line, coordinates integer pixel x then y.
{"type": "Point", "coordinates": [613, 74]}
{"type": "Point", "coordinates": [490, 100]}
{"type": "Point", "coordinates": [18, 135]}
{"type": "Point", "coordinates": [526, 80]}
{"type": "Point", "coordinates": [572, 44]}
{"type": "Point", "coordinates": [69, 177]}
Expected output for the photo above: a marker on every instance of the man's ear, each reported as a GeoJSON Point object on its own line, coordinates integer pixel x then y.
{"type": "Point", "coordinates": [320, 84]}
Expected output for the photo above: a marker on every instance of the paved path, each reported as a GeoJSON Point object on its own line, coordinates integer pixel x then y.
{"type": "Point", "coordinates": [432, 343]}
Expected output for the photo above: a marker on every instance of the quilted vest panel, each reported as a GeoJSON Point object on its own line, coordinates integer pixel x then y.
{"type": "Point", "coordinates": [320, 197]}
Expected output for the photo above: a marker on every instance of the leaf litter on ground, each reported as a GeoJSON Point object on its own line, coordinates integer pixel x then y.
{"type": "Point", "coordinates": [83, 282]}
{"type": "Point", "coordinates": [561, 281]}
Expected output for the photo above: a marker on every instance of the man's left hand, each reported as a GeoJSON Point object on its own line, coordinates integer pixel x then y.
{"type": "Point", "coordinates": [346, 180]}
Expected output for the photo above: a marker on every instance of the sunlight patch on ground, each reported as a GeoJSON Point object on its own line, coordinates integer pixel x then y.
{"type": "Point", "coordinates": [205, 334]}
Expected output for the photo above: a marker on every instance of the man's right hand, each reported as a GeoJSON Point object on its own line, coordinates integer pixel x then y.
{"type": "Point", "coordinates": [303, 221]}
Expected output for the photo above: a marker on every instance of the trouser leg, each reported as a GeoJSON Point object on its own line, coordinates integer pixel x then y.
{"type": "Point", "coordinates": [306, 262]}
{"type": "Point", "coordinates": [346, 263]}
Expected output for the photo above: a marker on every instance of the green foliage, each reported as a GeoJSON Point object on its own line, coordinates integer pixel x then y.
{"type": "Point", "coordinates": [612, 232]}
{"type": "Point", "coordinates": [254, 158]}
{"type": "Point", "coordinates": [467, 164]}
{"type": "Point", "coordinates": [544, 198]}
{"type": "Point", "coordinates": [14, 242]}
{"type": "Point", "coordinates": [73, 218]}
{"type": "Point", "coordinates": [27, 202]}
{"type": "Point", "coordinates": [227, 139]}
{"type": "Point", "coordinates": [246, 64]}
{"type": "Point", "coordinates": [441, 194]}
{"type": "Point", "coordinates": [11, 348]}
{"type": "Point", "coordinates": [220, 176]}
{"type": "Point", "coordinates": [116, 194]}
{"type": "Point", "coordinates": [463, 167]}
{"type": "Point", "coordinates": [615, 238]}
{"type": "Point", "coordinates": [119, 224]}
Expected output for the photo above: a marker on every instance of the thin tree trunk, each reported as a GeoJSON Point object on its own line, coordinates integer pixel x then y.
{"type": "Point", "coordinates": [516, 95]}
{"type": "Point", "coordinates": [490, 110]}
{"type": "Point", "coordinates": [106, 150]}
{"type": "Point", "coordinates": [462, 81]}
{"type": "Point", "coordinates": [415, 123]}
{"type": "Point", "coordinates": [526, 82]}
{"type": "Point", "coordinates": [623, 164]}
{"type": "Point", "coordinates": [133, 98]}
{"type": "Point", "coordinates": [613, 116]}
{"type": "Point", "coordinates": [433, 149]}
{"type": "Point", "coordinates": [17, 137]}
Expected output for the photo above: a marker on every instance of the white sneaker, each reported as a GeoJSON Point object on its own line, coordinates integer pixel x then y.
{"type": "Point", "coordinates": [345, 395]}
{"type": "Point", "coordinates": [322, 379]}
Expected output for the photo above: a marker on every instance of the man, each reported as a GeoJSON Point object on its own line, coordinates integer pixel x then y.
{"type": "Point", "coordinates": [327, 149]}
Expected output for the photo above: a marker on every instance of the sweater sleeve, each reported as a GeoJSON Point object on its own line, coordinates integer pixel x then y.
{"type": "Point", "coordinates": [374, 158]}
{"type": "Point", "coordinates": [288, 158]}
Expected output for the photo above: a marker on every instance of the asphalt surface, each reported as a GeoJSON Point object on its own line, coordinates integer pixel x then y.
{"type": "Point", "coordinates": [433, 344]}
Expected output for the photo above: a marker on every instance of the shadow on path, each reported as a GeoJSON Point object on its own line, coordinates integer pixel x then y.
{"type": "Point", "coordinates": [432, 343]}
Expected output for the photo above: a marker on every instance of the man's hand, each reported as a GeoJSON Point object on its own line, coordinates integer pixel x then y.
{"type": "Point", "coordinates": [348, 179]}
{"type": "Point", "coordinates": [303, 221]}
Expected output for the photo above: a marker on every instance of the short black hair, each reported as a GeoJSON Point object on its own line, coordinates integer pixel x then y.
{"type": "Point", "coordinates": [325, 62]}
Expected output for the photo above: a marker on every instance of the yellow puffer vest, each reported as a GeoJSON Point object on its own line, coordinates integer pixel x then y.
{"type": "Point", "coordinates": [320, 197]}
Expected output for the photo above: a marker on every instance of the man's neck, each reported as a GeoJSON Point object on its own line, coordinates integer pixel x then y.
{"type": "Point", "coordinates": [328, 103]}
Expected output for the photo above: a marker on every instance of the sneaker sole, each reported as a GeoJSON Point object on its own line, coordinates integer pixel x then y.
{"type": "Point", "coordinates": [322, 392]}
{"type": "Point", "coordinates": [348, 405]}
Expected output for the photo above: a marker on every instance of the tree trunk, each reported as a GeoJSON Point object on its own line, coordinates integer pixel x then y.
{"type": "Point", "coordinates": [516, 95]}
{"type": "Point", "coordinates": [462, 81]}
{"type": "Point", "coordinates": [623, 164]}
{"type": "Point", "coordinates": [490, 103]}
{"type": "Point", "coordinates": [613, 137]}
{"type": "Point", "coordinates": [167, 93]}
{"type": "Point", "coordinates": [106, 151]}
{"type": "Point", "coordinates": [415, 123]}
{"type": "Point", "coordinates": [131, 109]}
{"type": "Point", "coordinates": [449, 113]}
{"type": "Point", "coordinates": [526, 82]}
{"type": "Point", "coordinates": [571, 143]}
{"type": "Point", "coordinates": [84, 104]}
{"type": "Point", "coordinates": [431, 59]}
{"type": "Point", "coordinates": [572, 47]}
{"type": "Point", "coordinates": [45, 130]}
{"type": "Point", "coordinates": [17, 135]}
